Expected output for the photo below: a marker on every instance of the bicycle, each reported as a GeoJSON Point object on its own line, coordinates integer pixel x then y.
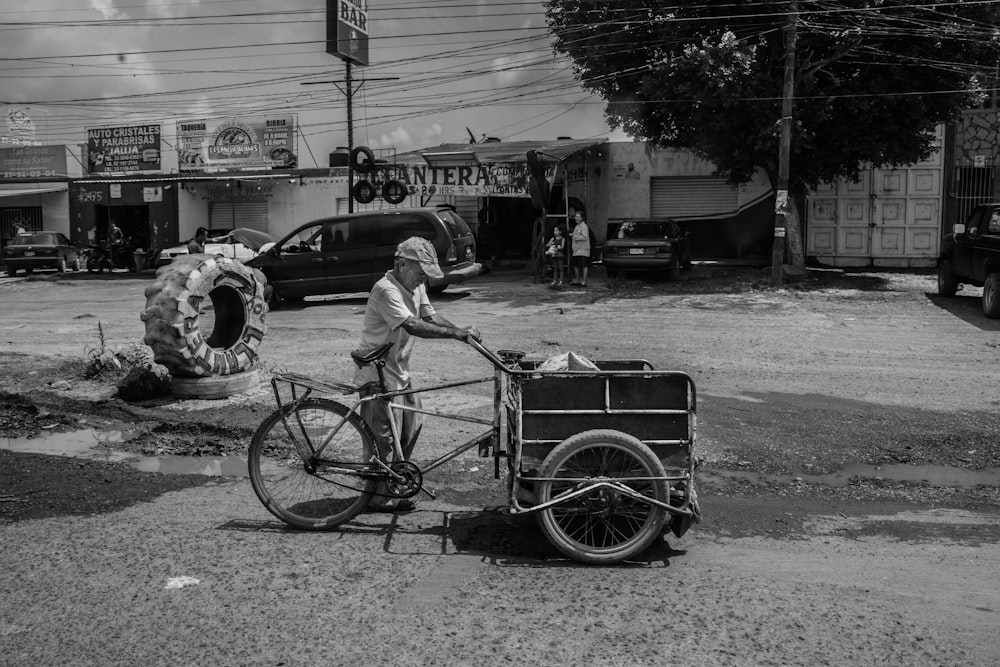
{"type": "Point", "coordinates": [603, 457]}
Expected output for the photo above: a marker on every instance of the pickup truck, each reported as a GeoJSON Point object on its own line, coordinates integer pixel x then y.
{"type": "Point", "coordinates": [970, 255]}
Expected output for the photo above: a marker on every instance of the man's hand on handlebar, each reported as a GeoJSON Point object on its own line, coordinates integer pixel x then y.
{"type": "Point", "coordinates": [465, 333]}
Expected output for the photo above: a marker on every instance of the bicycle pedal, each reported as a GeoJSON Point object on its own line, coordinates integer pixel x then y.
{"type": "Point", "coordinates": [430, 493]}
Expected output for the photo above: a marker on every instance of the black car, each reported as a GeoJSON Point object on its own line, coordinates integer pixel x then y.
{"type": "Point", "coordinates": [41, 250]}
{"type": "Point", "coordinates": [349, 253]}
{"type": "Point", "coordinates": [648, 245]}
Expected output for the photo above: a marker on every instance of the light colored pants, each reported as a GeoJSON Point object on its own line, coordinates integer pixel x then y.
{"type": "Point", "coordinates": [408, 423]}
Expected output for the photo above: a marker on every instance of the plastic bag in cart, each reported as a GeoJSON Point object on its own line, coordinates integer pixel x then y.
{"type": "Point", "coordinates": [567, 361]}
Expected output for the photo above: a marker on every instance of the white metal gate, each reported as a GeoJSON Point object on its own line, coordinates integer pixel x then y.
{"type": "Point", "coordinates": [888, 217]}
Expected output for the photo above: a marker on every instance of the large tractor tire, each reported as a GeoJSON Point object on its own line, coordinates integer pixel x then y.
{"type": "Point", "coordinates": [174, 304]}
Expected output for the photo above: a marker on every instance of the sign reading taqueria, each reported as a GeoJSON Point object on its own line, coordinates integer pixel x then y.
{"type": "Point", "coordinates": [126, 149]}
{"type": "Point", "coordinates": [236, 143]}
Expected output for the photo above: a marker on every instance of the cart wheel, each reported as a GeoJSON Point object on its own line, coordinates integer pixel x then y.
{"type": "Point", "coordinates": [603, 526]}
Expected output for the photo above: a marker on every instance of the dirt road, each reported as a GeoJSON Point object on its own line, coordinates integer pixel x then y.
{"type": "Point", "coordinates": [821, 410]}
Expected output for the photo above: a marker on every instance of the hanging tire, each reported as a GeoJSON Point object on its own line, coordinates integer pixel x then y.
{"type": "Point", "coordinates": [604, 526]}
{"type": "Point", "coordinates": [173, 304]}
{"type": "Point", "coordinates": [394, 192]}
{"type": "Point", "coordinates": [991, 296]}
{"type": "Point", "coordinates": [362, 166]}
{"type": "Point", "coordinates": [364, 192]}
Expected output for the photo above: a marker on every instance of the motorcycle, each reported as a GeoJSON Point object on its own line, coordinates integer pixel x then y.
{"type": "Point", "coordinates": [116, 256]}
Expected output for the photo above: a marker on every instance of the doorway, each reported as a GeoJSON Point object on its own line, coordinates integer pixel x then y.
{"type": "Point", "coordinates": [133, 220]}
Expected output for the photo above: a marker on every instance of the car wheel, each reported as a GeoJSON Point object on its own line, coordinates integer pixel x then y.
{"type": "Point", "coordinates": [614, 274]}
{"type": "Point", "coordinates": [674, 272]}
{"type": "Point", "coordinates": [991, 296]}
{"type": "Point", "coordinates": [947, 282]}
{"type": "Point", "coordinates": [272, 297]}
{"type": "Point", "coordinates": [172, 312]}
{"type": "Point", "coordinates": [11, 271]}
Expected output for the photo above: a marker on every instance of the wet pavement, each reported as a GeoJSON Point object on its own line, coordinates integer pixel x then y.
{"type": "Point", "coordinates": [97, 444]}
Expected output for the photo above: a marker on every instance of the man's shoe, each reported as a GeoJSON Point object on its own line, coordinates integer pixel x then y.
{"type": "Point", "coordinates": [393, 505]}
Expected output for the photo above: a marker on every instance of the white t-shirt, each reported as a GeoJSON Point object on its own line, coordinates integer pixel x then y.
{"type": "Point", "coordinates": [389, 305]}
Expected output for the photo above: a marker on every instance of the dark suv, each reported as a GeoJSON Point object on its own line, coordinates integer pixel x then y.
{"type": "Point", "coordinates": [349, 253]}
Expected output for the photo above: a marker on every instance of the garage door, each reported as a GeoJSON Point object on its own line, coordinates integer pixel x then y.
{"type": "Point", "coordinates": [233, 214]}
{"type": "Point", "coordinates": [697, 196]}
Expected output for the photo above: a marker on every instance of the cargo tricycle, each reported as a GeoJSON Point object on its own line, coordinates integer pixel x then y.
{"type": "Point", "coordinates": [603, 457]}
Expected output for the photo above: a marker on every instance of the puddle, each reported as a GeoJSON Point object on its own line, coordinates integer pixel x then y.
{"type": "Point", "coordinates": [932, 475]}
{"type": "Point", "coordinates": [94, 444]}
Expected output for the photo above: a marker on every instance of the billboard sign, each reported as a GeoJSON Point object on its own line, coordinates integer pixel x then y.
{"type": "Point", "coordinates": [496, 179]}
{"type": "Point", "coordinates": [347, 30]}
{"type": "Point", "coordinates": [123, 150]}
{"type": "Point", "coordinates": [236, 143]}
{"type": "Point", "coordinates": [31, 162]}
{"type": "Point", "coordinates": [20, 128]}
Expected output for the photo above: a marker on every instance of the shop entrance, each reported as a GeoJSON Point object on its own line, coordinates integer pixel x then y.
{"type": "Point", "coordinates": [133, 220]}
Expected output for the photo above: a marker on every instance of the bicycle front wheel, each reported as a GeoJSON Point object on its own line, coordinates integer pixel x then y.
{"type": "Point", "coordinates": [309, 464]}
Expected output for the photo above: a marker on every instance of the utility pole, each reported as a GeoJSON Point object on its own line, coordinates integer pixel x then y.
{"type": "Point", "coordinates": [781, 203]}
{"type": "Point", "coordinates": [348, 91]}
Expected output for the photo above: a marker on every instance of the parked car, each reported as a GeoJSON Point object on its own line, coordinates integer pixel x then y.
{"type": "Point", "coordinates": [648, 245]}
{"type": "Point", "coordinates": [227, 245]}
{"type": "Point", "coordinates": [970, 255]}
{"type": "Point", "coordinates": [349, 253]}
{"type": "Point", "coordinates": [41, 250]}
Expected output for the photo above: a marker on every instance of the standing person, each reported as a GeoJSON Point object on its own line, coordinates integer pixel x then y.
{"type": "Point", "coordinates": [555, 250]}
{"type": "Point", "coordinates": [115, 235]}
{"type": "Point", "coordinates": [196, 245]}
{"type": "Point", "coordinates": [398, 310]}
{"type": "Point", "coordinates": [581, 251]}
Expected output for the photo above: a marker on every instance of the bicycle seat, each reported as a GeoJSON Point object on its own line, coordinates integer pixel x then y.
{"type": "Point", "coordinates": [374, 355]}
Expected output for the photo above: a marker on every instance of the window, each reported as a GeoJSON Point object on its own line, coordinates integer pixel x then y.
{"type": "Point", "coordinates": [396, 228]}
{"type": "Point", "coordinates": [350, 235]}
{"type": "Point", "coordinates": [307, 240]}
{"type": "Point", "coordinates": [994, 226]}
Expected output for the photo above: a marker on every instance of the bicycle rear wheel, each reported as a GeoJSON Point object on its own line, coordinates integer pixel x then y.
{"type": "Point", "coordinates": [303, 489]}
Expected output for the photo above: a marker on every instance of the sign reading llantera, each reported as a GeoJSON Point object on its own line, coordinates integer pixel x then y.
{"type": "Point", "coordinates": [234, 143]}
{"type": "Point", "coordinates": [496, 179]}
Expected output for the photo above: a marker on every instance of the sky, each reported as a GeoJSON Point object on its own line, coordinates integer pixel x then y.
{"type": "Point", "coordinates": [439, 71]}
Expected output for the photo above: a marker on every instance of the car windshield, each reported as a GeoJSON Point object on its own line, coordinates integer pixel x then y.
{"type": "Point", "coordinates": [630, 230]}
{"type": "Point", "coordinates": [35, 239]}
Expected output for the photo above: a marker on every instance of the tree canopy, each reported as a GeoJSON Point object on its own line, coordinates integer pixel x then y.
{"type": "Point", "coordinates": [873, 78]}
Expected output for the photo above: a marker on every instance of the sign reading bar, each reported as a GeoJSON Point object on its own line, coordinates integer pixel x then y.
{"type": "Point", "coordinates": [33, 162]}
{"type": "Point", "coordinates": [234, 143]}
{"type": "Point", "coordinates": [347, 30]}
{"type": "Point", "coordinates": [123, 150]}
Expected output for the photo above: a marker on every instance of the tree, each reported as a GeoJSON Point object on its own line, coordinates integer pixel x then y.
{"type": "Point", "coordinates": [873, 78]}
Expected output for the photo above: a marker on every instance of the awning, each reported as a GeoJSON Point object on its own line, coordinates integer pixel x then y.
{"type": "Point", "coordinates": [556, 150]}
{"type": "Point", "coordinates": [31, 191]}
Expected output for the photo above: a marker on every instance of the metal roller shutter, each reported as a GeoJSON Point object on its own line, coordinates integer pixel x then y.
{"type": "Point", "coordinates": [676, 197]}
{"type": "Point", "coordinates": [230, 215]}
